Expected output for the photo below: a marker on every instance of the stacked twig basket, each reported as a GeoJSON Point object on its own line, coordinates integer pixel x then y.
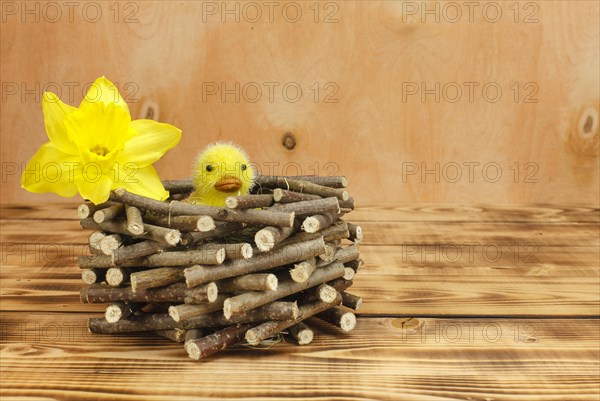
{"type": "Point", "coordinates": [213, 277]}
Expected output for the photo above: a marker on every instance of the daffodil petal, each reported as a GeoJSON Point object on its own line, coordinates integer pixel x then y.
{"type": "Point", "coordinates": [102, 90]}
{"type": "Point", "coordinates": [143, 181]}
{"type": "Point", "coordinates": [55, 112]}
{"type": "Point", "coordinates": [94, 186]}
{"type": "Point", "coordinates": [151, 142]}
{"type": "Point", "coordinates": [51, 170]}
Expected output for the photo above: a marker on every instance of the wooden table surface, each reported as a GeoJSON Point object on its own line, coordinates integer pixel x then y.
{"type": "Point", "coordinates": [461, 303]}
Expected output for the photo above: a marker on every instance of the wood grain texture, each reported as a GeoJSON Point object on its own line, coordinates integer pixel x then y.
{"type": "Point", "coordinates": [366, 53]}
{"type": "Point", "coordinates": [441, 262]}
{"type": "Point", "coordinates": [409, 359]}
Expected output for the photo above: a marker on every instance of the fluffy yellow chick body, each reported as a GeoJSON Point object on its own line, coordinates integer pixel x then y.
{"type": "Point", "coordinates": [221, 170]}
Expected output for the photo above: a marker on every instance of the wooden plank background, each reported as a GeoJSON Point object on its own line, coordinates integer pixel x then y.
{"type": "Point", "coordinates": [460, 303]}
{"type": "Point", "coordinates": [357, 64]}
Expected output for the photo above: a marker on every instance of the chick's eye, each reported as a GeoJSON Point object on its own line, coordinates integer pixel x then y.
{"type": "Point", "coordinates": [209, 168]}
{"type": "Point", "coordinates": [244, 167]}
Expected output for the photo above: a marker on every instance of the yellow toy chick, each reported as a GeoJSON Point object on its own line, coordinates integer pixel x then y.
{"type": "Point", "coordinates": [221, 170]}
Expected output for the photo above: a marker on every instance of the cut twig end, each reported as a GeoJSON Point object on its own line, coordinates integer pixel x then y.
{"type": "Point", "coordinates": [205, 224]}
{"type": "Point", "coordinates": [174, 313]}
{"type": "Point", "coordinates": [113, 313]}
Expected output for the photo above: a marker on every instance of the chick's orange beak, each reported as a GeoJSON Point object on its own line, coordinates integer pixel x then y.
{"type": "Point", "coordinates": [228, 184]}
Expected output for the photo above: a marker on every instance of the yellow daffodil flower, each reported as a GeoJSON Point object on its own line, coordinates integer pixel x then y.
{"type": "Point", "coordinates": [96, 148]}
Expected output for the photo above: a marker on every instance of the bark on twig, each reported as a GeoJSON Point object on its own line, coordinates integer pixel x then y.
{"type": "Point", "coordinates": [343, 319]}
{"type": "Point", "coordinates": [285, 196]}
{"type": "Point", "coordinates": [121, 310]}
{"type": "Point", "coordinates": [351, 301]}
{"type": "Point", "coordinates": [196, 275]}
{"type": "Point", "coordinates": [249, 282]}
{"type": "Point", "coordinates": [175, 293]}
{"type": "Point", "coordinates": [302, 333]}
{"type": "Point", "coordinates": [266, 330]}
{"type": "Point", "coordinates": [186, 311]}
{"type": "Point", "coordinates": [158, 277]}
{"type": "Point", "coordinates": [176, 208]}
{"type": "Point", "coordinates": [135, 224]}
{"type": "Point", "coordinates": [175, 335]}
{"type": "Point", "coordinates": [303, 270]}
{"type": "Point", "coordinates": [249, 201]}
{"type": "Point", "coordinates": [91, 276]}
{"type": "Point", "coordinates": [250, 300]}
{"type": "Point", "coordinates": [108, 213]}
{"type": "Point", "coordinates": [205, 346]}
{"type": "Point", "coordinates": [301, 186]}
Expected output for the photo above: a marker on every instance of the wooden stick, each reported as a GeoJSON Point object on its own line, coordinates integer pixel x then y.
{"type": "Point", "coordinates": [158, 277]}
{"type": "Point", "coordinates": [351, 301]}
{"type": "Point", "coordinates": [95, 238]}
{"type": "Point", "coordinates": [250, 300]}
{"type": "Point", "coordinates": [356, 233]}
{"type": "Point", "coordinates": [205, 346]}
{"type": "Point", "coordinates": [284, 196]}
{"type": "Point", "coordinates": [339, 284]}
{"type": "Point", "coordinates": [161, 234]}
{"type": "Point", "coordinates": [249, 282]}
{"type": "Point", "coordinates": [205, 293]}
{"type": "Point", "coordinates": [266, 330]}
{"type": "Point", "coordinates": [325, 293]}
{"type": "Point", "coordinates": [170, 259]}
{"type": "Point", "coordinates": [95, 251]}
{"type": "Point", "coordinates": [191, 335]}
{"type": "Point", "coordinates": [301, 186]}
{"type": "Point", "coordinates": [214, 256]}
{"type": "Point", "coordinates": [266, 238]}
{"type": "Point", "coordinates": [176, 293]}
{"type": "Point", "coordinates": [303, 270]}
{"type": "Point", "coordinates": [347, 204]}
{"type": "Point", "coordinates": [135, 224]}
{"type": "Point", "coordinates": [186, 311]}
{"type": "Point", "coordinates": [305, 208]}
{"type": "Point", "coordinates": [330, 250]}
{"type": "Point", "coordinates": [274, 310]}
{"type": "Point", "coordinates": [317, 222]}
{"type": "Point", "coordinates": [183, 223]}
{"type": "Point", "coordinates": [347, 254]}
{"type": "Point", "coordinates": [108, 213]}
{"type": "Point", "coordinates": [118, 276]}
{"type": "Point", "coordinates": [91, 276]}
{"type": "Point", "coordinates": [328, 181]}
{"type": "Point", "coordinates": [175, 258]}
{"type": "Point", "coordinates": [110, 243]}
{"type": "Point", "coordinates": [162, 321]}
{"type": "Point", "coordinates": [175, 335]}
{"type": "Point", "coordinates": [339, 318]}
{"type": "Point", "coordinates": [348, 273]}
{"type": "Point", "coordinates": [156, 233]}
{"type": "Point", "coordinates": [121, 310]}
{"type": "Point", "coordinates": [132, 252]}
{"type": "Point", "coordinates": [176, 208]}
{"type": "Point", "coordinates": [354, 264]}
{"type": "Point", "coordinates": [302, 333]}
{"type": "Point", "coordinates": [238, 251]}
{"type": "Point", "coordinates": [197, 275]}
{"type": "Point", "coordinates": [337, 231]}
{"type": "Point", "coordinates": [221, 229]}
{"type": "Point", "coordinates": [87, 209]}
{"type": "Point", "coordinates": [185, 185]}
{"type": "Point", "coordinates": [249, 201]}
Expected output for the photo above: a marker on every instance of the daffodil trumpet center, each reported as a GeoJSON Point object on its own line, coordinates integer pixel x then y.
{"type": "Point", "coordinates": [99, 150]}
